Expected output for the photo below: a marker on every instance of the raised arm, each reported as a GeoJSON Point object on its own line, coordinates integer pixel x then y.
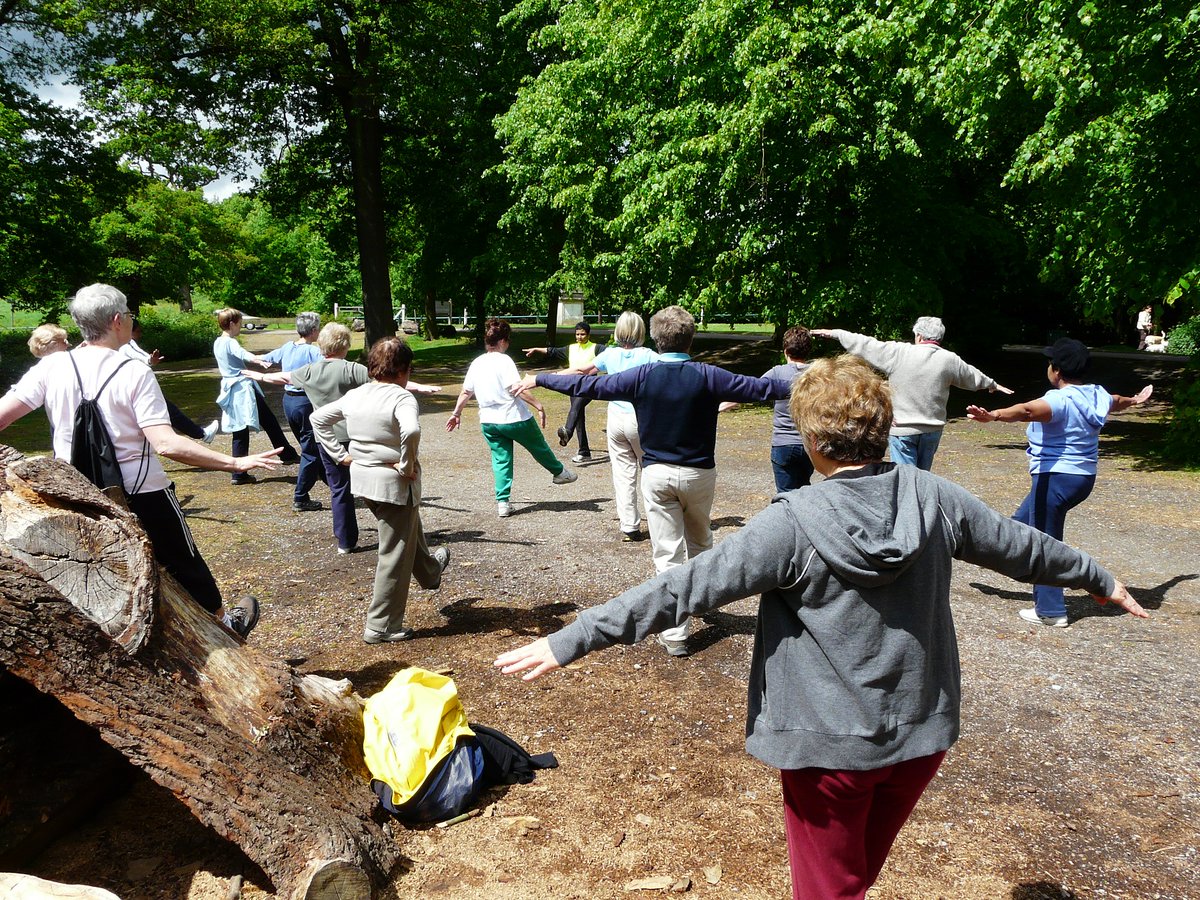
{"type": "Point", "coordinates": [756, 559]}
{"type": "Point", "coordinates": [167, 442]}
{"type": "Point", "coordinates": [1120, 404]}
{"type": "Point", "coordinates": [1032, 411]}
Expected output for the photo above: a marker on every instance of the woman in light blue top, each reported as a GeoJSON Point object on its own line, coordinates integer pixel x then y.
{"type": "Point", "coordinates": [1064, 447]}
{"type": "Point", "coordinates": [624, 446]}
{"type": "Point", "coordinates": [242, 403]}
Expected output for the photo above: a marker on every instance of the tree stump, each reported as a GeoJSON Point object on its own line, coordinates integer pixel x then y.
{"type": "Point", "coordinates": [269, 759]}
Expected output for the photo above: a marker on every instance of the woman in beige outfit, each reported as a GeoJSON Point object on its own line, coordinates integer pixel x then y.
{"type": "Point", "coordinates": [382, 421]}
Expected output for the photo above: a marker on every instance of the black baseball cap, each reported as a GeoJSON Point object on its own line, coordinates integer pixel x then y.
{"type": "Point", "coordinates": [1069, 356]}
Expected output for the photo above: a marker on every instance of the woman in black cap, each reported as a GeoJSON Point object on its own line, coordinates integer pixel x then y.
{"type": "Point", "coordinates": [1064, 445]}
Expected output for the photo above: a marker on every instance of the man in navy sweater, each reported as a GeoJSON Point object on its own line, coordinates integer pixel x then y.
{"type": "Point", "coordinates": [675, 401]}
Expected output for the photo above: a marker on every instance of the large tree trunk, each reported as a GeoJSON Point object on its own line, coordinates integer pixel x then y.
{"type": "Point", "coordinates": [267, 758]}
{"type": "Point", "coordinates": [357, 96]}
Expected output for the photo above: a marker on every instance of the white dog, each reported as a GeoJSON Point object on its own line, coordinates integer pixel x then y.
{"type": "Point", "coordinates": [1156, 343]}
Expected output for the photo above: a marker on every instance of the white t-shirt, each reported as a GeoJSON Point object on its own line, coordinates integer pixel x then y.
{"type": "Point", "coordinates": [132, 401]}
{"type": "Point", "coordinates": [489, 378]}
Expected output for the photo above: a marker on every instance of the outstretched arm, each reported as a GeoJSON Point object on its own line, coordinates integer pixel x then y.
{"type": "Point", "coordinates": [1032, 411]}
{"type": "Point", "coordinates": [167, 442]}
{"type": "Point", "coordinates": [1123, 403]}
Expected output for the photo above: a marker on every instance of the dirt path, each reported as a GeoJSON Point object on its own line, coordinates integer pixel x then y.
{"type": "Point", "coordinates": [1077, 774]}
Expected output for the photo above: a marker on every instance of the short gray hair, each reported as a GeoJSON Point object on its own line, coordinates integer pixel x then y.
{"type": "Point", "coordinates": [94, 307]}
{"type": "Point", "coordinates": [930, 328]}
{"type": "Point", "coordinates": [307, 323]}
{"type": "Point", "coordinates": [673, 329]}
{"type": "Point", "coordinates": [630, 330]}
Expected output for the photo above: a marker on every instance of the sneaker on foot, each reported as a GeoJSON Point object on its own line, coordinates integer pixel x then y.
{"type": "Point", "coordinates": [503, 509]}
{"type": "Point", "coordinates": [306, 505]}
{"type": "Point", "coordinates": [243, 615]}
{"type": "Point", "coordinates": [386, 637]}
{"type": "Point", "coordinates": [563, 437]}
{"type": "Point", "coordinates": [442, 555]}
{"type": "Point", "coordinates": [581, 457]}
{"type": "Point", "coordinates": [566, 476]}
{"type": "Point", "coordinates": [1031, 616]}
{"type": "Point", "coordinates": [243, 478]}
{"type": "Point", "coordinates": [210, 431]}
{"type": "Point", "coordinates": [289, 457]}
{"type": "Point", "coordinates": [673, 648]}
{"type": "Point", "coordinates": [346, 551]}
{"type": "Point", "coordinates": [630, 537]}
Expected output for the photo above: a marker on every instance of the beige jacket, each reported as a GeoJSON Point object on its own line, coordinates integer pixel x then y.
{"type": "Point", "coordinates": [382, 421]}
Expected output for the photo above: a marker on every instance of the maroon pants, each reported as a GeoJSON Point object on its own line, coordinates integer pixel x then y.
{"type": "Point", "coordinates": [841, 823]}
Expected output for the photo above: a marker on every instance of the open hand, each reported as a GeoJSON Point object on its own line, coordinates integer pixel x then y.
{"type": "Point", "coordinates": [1143, 395]}
{"type": "Point", "coordinates": [979, 414]}
{"type": "Point", "coordinates": [1120, 596]}
{"type": "Point", "coordinates": [266, 460]}
{"type": "Point", "coordinates": [535, 660]}
{"type": "Point", "coordinates": [528, 383]}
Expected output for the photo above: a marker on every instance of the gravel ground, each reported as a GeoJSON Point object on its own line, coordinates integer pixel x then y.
{"type": "Point", "coordinates": [1077, 774]}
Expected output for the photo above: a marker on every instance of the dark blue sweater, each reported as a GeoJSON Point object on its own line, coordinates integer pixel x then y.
{"type": "Point", "coordinates": [675, 401]}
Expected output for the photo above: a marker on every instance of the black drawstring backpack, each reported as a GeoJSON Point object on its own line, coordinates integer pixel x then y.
{"type": "Point", "coordinates": [92, 450]}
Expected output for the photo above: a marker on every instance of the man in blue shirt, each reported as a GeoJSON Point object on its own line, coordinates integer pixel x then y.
{"type": "Point", "coordinates": [297, 408]}
{"type": "Point", "coordinates": [676, 402]}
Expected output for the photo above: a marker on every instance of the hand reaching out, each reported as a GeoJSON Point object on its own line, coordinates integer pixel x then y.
{"type": "Point", "coordinates": [1120, 596]}
{"type": "Point", "coordinates": [535, 660]}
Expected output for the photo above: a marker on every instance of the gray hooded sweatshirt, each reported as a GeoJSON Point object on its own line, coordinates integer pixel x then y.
{"type": "Point", "coordinates": [855, 662]}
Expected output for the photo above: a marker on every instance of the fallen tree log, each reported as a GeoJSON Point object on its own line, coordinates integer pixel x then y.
{"type": "Point", "coordinates": [269, 759]}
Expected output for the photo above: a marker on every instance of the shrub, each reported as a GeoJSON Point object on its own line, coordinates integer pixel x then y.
{"type": "Point", "coordinates": [1183, 427]}
{"type": "Point", "coordinates": [177, 335]}
{"type": "Point", "coordinates": [1185, 339]}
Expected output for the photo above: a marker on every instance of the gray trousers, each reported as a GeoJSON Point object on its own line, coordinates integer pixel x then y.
{"type": "Point", "coordinates": [403, 555]}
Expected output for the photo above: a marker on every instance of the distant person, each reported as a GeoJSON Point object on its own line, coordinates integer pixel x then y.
{"type": "Point", "coordinates": [1064, 447]}
{"type": "Point", "coordinates": [384, 425]}
{"type": "Point", "coordinates": [789, 461]}
{"type": "Point", "coordinates": [47, 339]}
{"type": "Point", "coordinates": [324, 381]}
{"type": "Point", "coordinates": [135, 414]}
{"type": "Point", "coordinates": [297, 407]}
{"type": "Point", "coordinates": [1145, 325]}
{"type": "Point", "coordinates": [854, 676]}
{"type": "Point", "coordinates": [921, 375]}
{"type": "Point", "coordinates": [578, 356]}
{"type": "Point", "coordinates": [180, 421]}
{"type": "Point", "coordinates": [624, 445]}
{"type": "Point", "coordinates": [242, 403]}
{"type": "Point", "coordinates": [504, 419]}
{"type": "Point", "coordinates": [675, 402]}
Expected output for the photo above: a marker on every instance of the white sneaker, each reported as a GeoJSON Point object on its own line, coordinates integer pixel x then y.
{"type": "Point", "coordinates": [503, 509]}
{"type": "Point", "coordinates": [1031, 616]}
{"type": "Point", "coordinates": [210, 431]}
{"type": "Point", "coordinates": [673, 648]}
{"type": "Point", "coordinates": [566, 476]}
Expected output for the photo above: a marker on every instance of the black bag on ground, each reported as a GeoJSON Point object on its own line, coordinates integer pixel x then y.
{"type": "Point", "coordinates": [505, 761]}
{"type": "Point", "coordinates": [92, 450]}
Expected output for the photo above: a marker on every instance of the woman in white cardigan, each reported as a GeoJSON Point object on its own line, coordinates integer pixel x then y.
{"type": "Point", "coordinates": [382, 421]}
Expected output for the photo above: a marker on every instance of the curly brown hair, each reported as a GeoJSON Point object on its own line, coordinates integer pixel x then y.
{"type": "Point", "coordinates": [843, 408]}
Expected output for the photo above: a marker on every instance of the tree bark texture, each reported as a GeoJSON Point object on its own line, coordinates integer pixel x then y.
{"type": "Point", "coordinates": [267, 758]}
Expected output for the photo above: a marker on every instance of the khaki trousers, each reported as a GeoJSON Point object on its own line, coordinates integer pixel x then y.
{"type": "Point", "coordinates": [403, 555]}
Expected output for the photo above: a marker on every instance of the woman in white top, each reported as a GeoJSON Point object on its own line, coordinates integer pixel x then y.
{"type": "Point", "coordinates": [383, 424]}
{"type": "Point", "coordinates": [505, 419]}
{"type": "Point", "coordinates": [624, 445]}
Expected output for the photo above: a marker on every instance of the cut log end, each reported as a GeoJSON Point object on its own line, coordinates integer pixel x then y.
{"type": "Point", "coordinates": [334, 879]}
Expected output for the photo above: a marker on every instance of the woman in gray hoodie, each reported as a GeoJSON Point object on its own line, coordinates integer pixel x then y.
{"type": "Point", "coordinates": [854, 682]}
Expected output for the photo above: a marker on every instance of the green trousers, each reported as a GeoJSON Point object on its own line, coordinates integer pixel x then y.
{"type": "Point", "coordinates": [501, 439]}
